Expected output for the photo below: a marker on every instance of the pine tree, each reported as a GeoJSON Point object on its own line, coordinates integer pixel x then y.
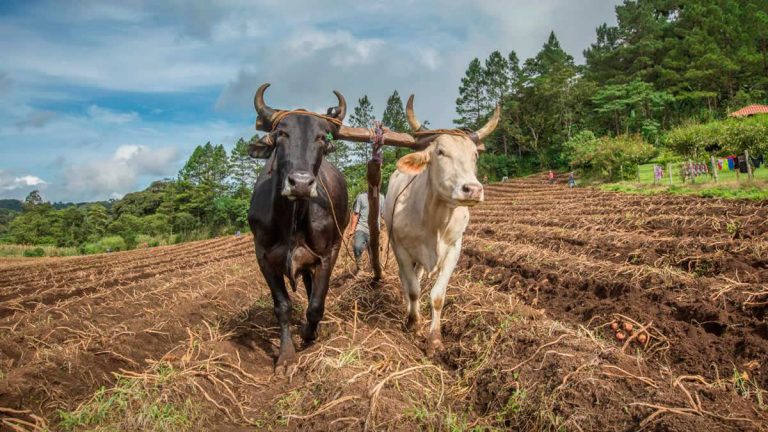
{"type": "Point", "coordinates": [243, 168]}
{"type": "Point", "coordinates": [394, 114]}
{"type": "Point", "coordinates": [496, 78]}
{"type": "Point", "coordinates": [362, 116]}
{"type": "Point", "coordinates": [472, 103]}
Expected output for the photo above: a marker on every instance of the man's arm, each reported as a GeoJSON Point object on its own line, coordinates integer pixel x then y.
{"type": "Point", "coordinates": [352, 223]}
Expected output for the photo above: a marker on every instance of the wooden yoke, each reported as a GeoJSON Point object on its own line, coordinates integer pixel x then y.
{"type": "Point", "coordinates": [390, 138]}
{"type": "Point", "coordinates": [378, 137]}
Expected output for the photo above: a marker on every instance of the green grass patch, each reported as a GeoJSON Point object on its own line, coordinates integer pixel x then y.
{"type": "Point", "coordinates": [16, 250]}
{"type": "Point", "coordinates": [133, 404]}
{"type": "Point", "coordinates": [755, 190]}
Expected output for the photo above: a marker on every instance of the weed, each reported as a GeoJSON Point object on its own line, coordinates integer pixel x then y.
{"type": "Point", "coordinates": [130, 405]}
{"type": "Point", "coordinates": [513, 406]}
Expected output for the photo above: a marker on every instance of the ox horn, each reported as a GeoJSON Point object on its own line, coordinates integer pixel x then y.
{"type": "Point", "coordinates": [490, 125]}
{"type": "Point", "coordinates": [415, 124]}
{"type": "Point", "coordinates": [258, 102]}
{"type": "Point", "coordinates": [340, 111]}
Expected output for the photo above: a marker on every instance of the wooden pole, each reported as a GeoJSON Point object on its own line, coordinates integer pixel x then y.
{"type": "Point", "coordinates": [689, 171]}
{"type": "Point", "coordinates": [374, 185]}
{"type": "Point", "coordinates": [714, 168]}
{"type": "Point", "coordinates": [749, 167]}
{"type": "Point", "coordinates": [669, 172]}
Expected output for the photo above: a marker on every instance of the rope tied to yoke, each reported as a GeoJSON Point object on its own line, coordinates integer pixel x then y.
{"type": "Point", "coordinates": [427, 133]}
{"type": "Point", "coordinates": [278, 116]}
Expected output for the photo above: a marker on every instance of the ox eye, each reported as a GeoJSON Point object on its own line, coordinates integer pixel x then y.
{"type": "Point", "coordinates": [282, 134]}
{"type": "Point", "coordinates": [440, 152]}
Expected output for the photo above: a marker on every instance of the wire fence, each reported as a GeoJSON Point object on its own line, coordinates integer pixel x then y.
{"type": "Point", "coordinates": [702, 171]}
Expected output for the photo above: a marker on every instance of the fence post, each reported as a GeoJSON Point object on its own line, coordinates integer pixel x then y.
{"type": "Point", "coordinates": [669, 172]}
{"type": "Point", "coordinates": [714, 168]}
{"type": "Point", "coordinates": [638, 173]}
{"type": "Point", "coordinates": [749, 167]}
{"type": "Point", "coordinates": [689, 171]}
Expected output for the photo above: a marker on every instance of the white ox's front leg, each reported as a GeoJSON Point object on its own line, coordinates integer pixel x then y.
{"type": "Point", "coordinates": [435, 339]}
{"type": "Point", "coordinates": [410, 279]}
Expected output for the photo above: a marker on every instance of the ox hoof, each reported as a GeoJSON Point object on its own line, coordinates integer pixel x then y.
{"type": "Point", "coordinates": [285, 370]}
{"type": "Point", "coordinates": [434, 347]}
{"type": "Point", "coordinates": [413, 324]}
{"type": "Point", "coordinates": [307, 335]}
{"type": "Point", "coordinates": [285, 357]}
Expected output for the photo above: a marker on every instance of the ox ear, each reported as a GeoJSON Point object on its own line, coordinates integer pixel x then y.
{"type": "Point", "coordinates": [262, 148]}
{"type": "Point", "coordinates": [413, 163]}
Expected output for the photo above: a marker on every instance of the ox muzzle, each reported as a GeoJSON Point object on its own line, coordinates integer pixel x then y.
{"type": "Point", "coordinates": [469, 194]}
{"type": "Point", "coordinates": [299, 185]}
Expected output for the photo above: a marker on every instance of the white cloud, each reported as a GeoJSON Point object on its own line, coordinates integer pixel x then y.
{"type": "Point", "coordinates": [19, 184]}
{"type": "Point", "coordinates": [108, 116]}
{"type": "Point", "coordinates": [119, 173]}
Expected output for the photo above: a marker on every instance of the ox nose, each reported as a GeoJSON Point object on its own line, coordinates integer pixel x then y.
{"type": "Point", "coordinates": [300, 184]}
{"type": "Point", "coordinates": [472, 192]}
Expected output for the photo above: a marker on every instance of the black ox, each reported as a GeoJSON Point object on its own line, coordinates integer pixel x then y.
{"type": "Point", "coordinates": [298, 210]}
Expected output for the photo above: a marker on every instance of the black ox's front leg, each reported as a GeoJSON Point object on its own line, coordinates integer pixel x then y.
{"type": "Point", "coordinates": [282, 303]}
{"type": "Point", "coordinates": [316, 306]}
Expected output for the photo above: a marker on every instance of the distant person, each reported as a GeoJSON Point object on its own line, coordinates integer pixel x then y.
{"type": "Point", "coordinates": [359, 225]}
{"type": "Point", "coordinates": [551, 176]}
{"type": "Point", "coordinates": [485, 179]}
{"type": "Point", "coordinates": [237, 233]}
{"type": "Point", "coordinates": [571, 180]}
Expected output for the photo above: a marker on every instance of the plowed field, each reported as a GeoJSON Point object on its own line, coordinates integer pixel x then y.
{"type": "Point", "coordinates": [183, 337]}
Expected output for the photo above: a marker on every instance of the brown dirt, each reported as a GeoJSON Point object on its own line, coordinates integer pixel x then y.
{"type": "Point", "coordinates": [544, 272]}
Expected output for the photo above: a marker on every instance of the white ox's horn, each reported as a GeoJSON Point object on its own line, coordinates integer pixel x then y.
{"type": "Point", "coordinates": [490, 125]}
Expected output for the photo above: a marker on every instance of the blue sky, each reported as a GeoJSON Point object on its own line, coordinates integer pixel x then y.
{"type": "Point", "coordinates": [99, 98]}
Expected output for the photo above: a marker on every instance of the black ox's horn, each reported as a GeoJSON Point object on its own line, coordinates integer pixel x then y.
{"type": "Point", "coordinates": [265, 111]}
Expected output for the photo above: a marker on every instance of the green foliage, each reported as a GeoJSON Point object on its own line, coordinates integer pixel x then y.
{"type": "Point", "coordinates": [362, 116]}
{"type": "Point", "coordinates": [472, 103]}
{"type": "Point", "coordinates": [394, 114]}
{"type": "Point", "coordinates": [606, 157]}
{"type": "Point", "coordinates": [132, 404]}
{"type": "Point", "coordinates": [725, 191]}
{"type": "Point", "coordinates": [113, 244]}
{"type": "Point", "coordinates": [36, 252]}
{"type": "Point", "coordinates": [664, 64]}
{"type": "Point", "coordinates": [497, 166]}
{"type": "Point", "coordinates": [243, 169]}
{"type": "Point", "coordinates": [720, 137]}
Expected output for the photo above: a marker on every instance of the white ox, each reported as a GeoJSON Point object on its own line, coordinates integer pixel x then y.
{"type": "Point", "coordinates": [426, 213]}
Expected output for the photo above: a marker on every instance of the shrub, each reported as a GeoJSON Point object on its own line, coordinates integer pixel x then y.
{"type": "Point", "coordinates": [605, 157]}
{"type": "Point", "coordinates": [91, 248]}
{"type": "Point", "coordinates": [36, 252]}
{"type": "Point", "coordinates": [113, 243]}
{"type": "Point", "coordinates": [720, 137]}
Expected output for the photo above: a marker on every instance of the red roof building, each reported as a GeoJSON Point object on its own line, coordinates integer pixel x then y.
{"type": "Point", "coordinates": [750, 111]}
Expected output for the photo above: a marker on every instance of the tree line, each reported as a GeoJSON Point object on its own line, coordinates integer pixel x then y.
{"type": "Point", "coordinates": [664, 65]}
{"type": "Point", "coordinates": [210, 196]}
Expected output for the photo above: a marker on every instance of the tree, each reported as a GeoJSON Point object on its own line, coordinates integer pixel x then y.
{"type": "Point", "coordinates": [472, 102]}
{"type": "Point", "coordinates": [243, 168]}
{"type": "Point", "coordinates": [96, 221]}
{"type": "Point", "coordinates": [33, 199]}
{"type": "Point", "coordinates": [394, 114]}
{"type": "Point", "coordinates": [630, 107]}
{"type": "Point", "coordinates": [496, 78]}
{"type": "Point", "coordinates": [362, 116]}
{"type": "Point", "coordinates": [550, 100]}
{"type": "Point", "coordinates": [395, 119]}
